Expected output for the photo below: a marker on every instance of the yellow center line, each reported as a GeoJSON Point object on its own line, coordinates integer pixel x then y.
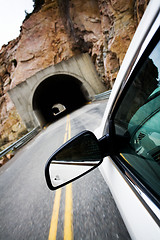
{"type": "Point", "coordinates": [125, 158]}
{"type": "Point", "coordinates": [67, 135]}
{"type": "Point", "coordinates": [68, 218]}
{"type": "Point", "coordinates": [55, 213]}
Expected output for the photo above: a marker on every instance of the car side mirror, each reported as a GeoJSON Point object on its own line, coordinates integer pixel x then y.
{"type": "Point", "coordinates": [75, 158]}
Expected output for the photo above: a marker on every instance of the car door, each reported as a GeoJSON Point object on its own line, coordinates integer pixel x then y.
{"type": "Point", "coordinates": [133, 170]}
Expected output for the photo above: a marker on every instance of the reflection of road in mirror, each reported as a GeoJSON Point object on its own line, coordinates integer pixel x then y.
{"type": "Point", "coordinates": [61, 173]}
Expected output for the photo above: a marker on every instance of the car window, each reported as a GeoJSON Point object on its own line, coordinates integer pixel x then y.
{"type": "Point", "coordinates": [138, 120]}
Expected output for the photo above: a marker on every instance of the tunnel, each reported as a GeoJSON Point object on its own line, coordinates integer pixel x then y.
{"type": "Point", "coordinates": [61, 89]}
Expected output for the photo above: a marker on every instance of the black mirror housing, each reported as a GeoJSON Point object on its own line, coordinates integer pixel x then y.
{"type": "Point", "coordinates": [75, 158]}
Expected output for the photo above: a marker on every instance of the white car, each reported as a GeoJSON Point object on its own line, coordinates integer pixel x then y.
{"type": "Point", "coordinates": [128, 149]}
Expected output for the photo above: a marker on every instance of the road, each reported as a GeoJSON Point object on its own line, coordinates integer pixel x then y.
{"type": "Point", "coordinates": [26, 204]}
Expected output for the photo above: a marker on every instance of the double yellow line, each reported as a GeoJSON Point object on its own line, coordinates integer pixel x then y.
{"type": "Point", "coordinates": [68, 218]}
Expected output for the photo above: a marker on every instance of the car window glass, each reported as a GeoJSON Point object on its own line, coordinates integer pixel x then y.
{"type": "Point", "coordinates": [138, 119]}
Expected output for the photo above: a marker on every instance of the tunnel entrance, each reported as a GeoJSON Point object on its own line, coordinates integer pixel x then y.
{"type": "Point", "coordinates": [58, 90]}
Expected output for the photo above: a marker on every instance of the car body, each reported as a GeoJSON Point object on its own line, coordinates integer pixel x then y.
{"type": "Point", "coordinates": [128, 149]}
{"type": "Point", "coordinates": [140, 214]}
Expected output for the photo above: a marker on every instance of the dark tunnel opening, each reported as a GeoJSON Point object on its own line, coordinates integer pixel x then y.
{"type": "Point", "coordinates": [58, 89]}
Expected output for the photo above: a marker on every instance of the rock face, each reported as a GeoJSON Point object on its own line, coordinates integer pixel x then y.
{"type": "Point", "coordinates": [58, 30]}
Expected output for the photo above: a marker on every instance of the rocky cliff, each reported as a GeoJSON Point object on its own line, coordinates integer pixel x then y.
{"type": "Point", "coordinates": [58, 30]}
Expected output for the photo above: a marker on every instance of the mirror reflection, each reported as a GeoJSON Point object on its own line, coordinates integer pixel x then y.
{"type": "Point", "coordinates": [75, 158]}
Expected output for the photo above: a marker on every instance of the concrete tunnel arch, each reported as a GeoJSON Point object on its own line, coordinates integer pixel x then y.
{"type": "Point", "coordinates": [58, 89]}
{"type": "Point", "coordinates": [70, 83]}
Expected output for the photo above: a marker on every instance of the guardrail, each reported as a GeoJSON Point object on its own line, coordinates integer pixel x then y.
{"type": "Point", "coordinates": [20, 142]}
{"type": "Point", "coordinates": [31, 134]}
{"type": "Point", "coordinates": [101, 96]}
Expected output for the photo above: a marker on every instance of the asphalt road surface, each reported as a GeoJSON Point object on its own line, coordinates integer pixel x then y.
{"type": "Point", "coordinates": [83, 210]}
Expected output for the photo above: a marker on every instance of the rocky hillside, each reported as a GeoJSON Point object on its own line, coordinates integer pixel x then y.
{"type": "Point", "coordinates": [58, 30]}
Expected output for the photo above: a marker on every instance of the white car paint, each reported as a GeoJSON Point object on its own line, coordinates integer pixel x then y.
{"type": "Point", "coordinates": [139, 222]}
{"type": "Point", "coordinates": [137, 219]}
